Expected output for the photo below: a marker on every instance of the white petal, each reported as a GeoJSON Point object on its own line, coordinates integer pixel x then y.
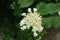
{"type": "Point", "coordinates": [34, 9]}
{"type": "Point", "coordinates": [22, 20]}
{"type": "Point", "coordinates": [35, 34]}
{"type": "Point", "coordinates": [41, 28]}
{"type": "Point", "coordinates": [59, 13]}
{"type": "Point", "coordinates": [29, 10]}
{"type": "Point", "coordinates": [21, 24]}
{"type": "Point", "coordinates": [22, 28]}
{"type": "Point", "coordinates": [23, 14]}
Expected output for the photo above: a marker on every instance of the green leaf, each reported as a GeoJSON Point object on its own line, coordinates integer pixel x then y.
{"type": "Point", "coordinates": [56, 21]}
{"type": "Point", "coordinates": [53, 21]}
{"type": "Point", "coordinates": [6, 37]}
{"type": "Point", "coordinates": [17, 11]}
{"type": "Point", "coordinates": [49, 8]}
{"type": "Point", "coordinates": [30, 38]}
{"type": "Point", "coordinates": [25, 3]}
{"type": "Point", "coordinates": [47, 22]}
{"type": "Point", "coordinates": [14, 3]}
{"type": "Point", "coordinates": [41, 8]}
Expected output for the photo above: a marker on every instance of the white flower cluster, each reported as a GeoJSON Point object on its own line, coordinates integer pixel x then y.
{"type": "Point", "coordinates": [32, 19]}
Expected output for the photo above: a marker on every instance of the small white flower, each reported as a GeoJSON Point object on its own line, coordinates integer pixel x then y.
{"type": "Point", "coordinates": [35, 34]}
{"type": "Point", "coordinates": [22, 23]}
{"type": "Point", "coordinates": [34, 9]}
{"type": "Point", "coordinates": [41, 28]}
{"type": "Point", "coordinates": [23, 14]}
{"type": "Point", "coordinates": [23, 28]}
{"type": "Point", "coordinates": [29, 10]}
{"type": "Point", "coordinates": [59, 13]}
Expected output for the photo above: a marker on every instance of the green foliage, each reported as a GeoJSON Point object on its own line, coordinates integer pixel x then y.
{"type": "Point", "coordinates": [48, 8]}
{"type": "Point", "coordinates": [53, 21]}
{"type": "Point", "coordinates": [24, 35]}
{"type": "Point", "coordinates": [17, 11]}
{"type": "Point", "coordinates": [56, 21]}
{"type": "Point", "coordinates": [6, 37]}
{"type": "Point", "coordinates": [25, 3]}
{"type": "Point", "coordinates": [47, 22]}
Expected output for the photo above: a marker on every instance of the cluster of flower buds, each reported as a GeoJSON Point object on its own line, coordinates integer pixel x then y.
{"type": "Point", "coordinates": [32, 19]}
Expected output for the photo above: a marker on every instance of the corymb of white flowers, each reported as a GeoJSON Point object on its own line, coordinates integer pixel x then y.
{"type": "Point", "coordinates": [32, 19]}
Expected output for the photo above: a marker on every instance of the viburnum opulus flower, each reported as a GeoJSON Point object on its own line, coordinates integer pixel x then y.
{"type": "Point", "coordinates": [32, 19]}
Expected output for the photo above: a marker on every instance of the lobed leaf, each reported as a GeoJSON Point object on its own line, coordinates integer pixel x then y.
{"type": "Point", "coordinates": [56, 21]}
{"type": "Point", "coordinates": [49, 8]}
{"type": "Point", "coordinates": [47, 22]}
